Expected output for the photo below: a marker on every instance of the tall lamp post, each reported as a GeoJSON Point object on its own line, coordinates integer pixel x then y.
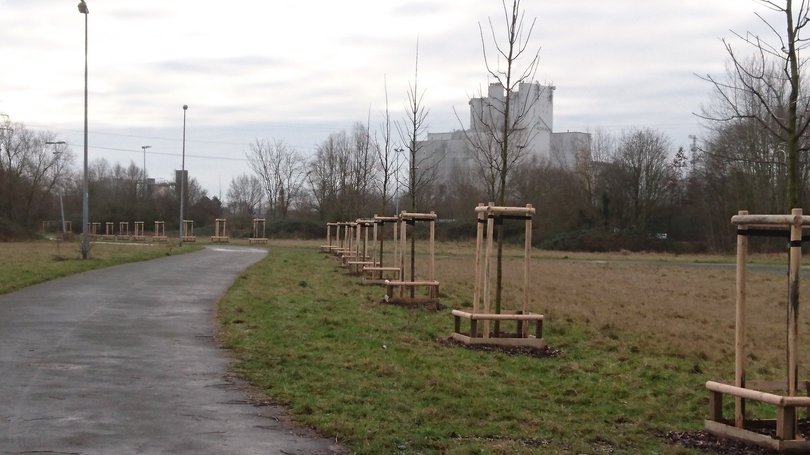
{"type": "Point", "coordinates": [61, 205]}
{"type": "Point", "coordinates": [183, 177]}
{"type": "Point", "coordinates": [85, 218]}
{"type": "Point", "coordinates": [144, 147]}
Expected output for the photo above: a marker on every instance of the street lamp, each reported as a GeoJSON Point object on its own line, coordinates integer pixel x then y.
{"type": "Point", "coordinates": [183, 176]}
{"type": "Point", "coordinates": [56, 154]}
{"type": "Point", "coordinates": [85, 218]}
{"type": "Point", "coordinates": [144, 147]}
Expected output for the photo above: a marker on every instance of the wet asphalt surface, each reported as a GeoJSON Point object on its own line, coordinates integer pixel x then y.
{"type": "Point", "coordinates": [123, 360]}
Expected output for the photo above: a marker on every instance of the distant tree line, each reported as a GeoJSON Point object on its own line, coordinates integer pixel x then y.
{"type": "Point", "coordinates": [35, 175]}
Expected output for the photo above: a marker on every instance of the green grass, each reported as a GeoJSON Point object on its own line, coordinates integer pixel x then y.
{"type": "Point", "coordinates": [26, 263]}
{"type": "Point", "coordinates": [374, 376]}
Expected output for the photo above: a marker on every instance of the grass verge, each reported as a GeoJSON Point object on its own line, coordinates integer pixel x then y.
{"type": "Point", "coordinates": [374, 376]}
{"type": "Point", "coordinates": [26, 263]}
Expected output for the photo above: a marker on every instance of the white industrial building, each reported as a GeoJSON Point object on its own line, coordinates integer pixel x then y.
{"type": "Point", "coordinates": [533, 104]}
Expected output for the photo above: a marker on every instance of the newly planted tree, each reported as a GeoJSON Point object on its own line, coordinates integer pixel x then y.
{"type": "Point", "coordinates": [421, 168]}
{"type": "Point", "coordinates": [501, 130]}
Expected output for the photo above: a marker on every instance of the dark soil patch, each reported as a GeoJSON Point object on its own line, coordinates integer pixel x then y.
{"type": "Point", "coordinates": [544, 352]}
{"type": "Point", "coordinates": [707, 442]}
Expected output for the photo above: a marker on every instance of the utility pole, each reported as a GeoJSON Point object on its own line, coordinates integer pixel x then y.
{"type": "Point", "coordinates": [144, 147]}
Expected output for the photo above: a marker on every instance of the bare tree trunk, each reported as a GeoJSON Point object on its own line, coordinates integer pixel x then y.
{"type": "Point", "coordinates": [792, 122]}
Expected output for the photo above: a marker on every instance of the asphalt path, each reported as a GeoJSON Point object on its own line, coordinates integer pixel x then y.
{"type": "Point", "coordinates": [122, 361]}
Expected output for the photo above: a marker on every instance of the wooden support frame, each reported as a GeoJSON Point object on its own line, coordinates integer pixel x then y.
{"type": "Point", "coordinates": [787, 437]}
{"type": "Point", "coordinates": [187, 234]}
{"type": "Point", "coordinates": [94, 230]}
{"type": "Point", "coordinates": [347, 250]}
{"type": "Point", "coordinates": [487, 216]}
{"type": "Point", "coordinates": [327, 246]}
{"type": "Point", "coordinates": [379, 273]}
{"type": "Point", "coordinates": [220, 231]}
{"type": "Point", "coordinates": [160, 232]}
{"type": "Point", "coordinates": [395, 289]}
{"type": "Point", "coordinates": [123, 231]}
{"type": "Point", "coordinates": [137, 232]}
{"type": "Point", "coordinates": [109, 231]}
{"type": "Point", "coordinates": [259, 232]}
{"type": "Point", "coordinates": [360, 251]}
{"type": "Point", "coordinates": [340, 245]}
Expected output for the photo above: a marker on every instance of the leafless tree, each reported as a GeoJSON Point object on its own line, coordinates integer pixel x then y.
{"type": "Point", "coordinates": [501, 132]}
{"type": "Point", "coordinates": [364, 152]}
{"type": "Point", "coordinates": [245, 196]}
{"type": "Point", "coordinates": [422, 169]}
{"type": "Point", "coordinates": [601, 151]}
{"type": "Point", "coordinates": [323, 176]}
{"type": "Point", "coordinates": [643, 158]}
{"type": "Point", "coordinates": [280, 168]}
{"type": "Point", "coordinates": [386, 162]}
{"type": "Point", "coordinates": [30, 170]}
{"type": "Point", "coordinates": [773, 99]}
{"type": "Point", "coordinates": [342, 174]}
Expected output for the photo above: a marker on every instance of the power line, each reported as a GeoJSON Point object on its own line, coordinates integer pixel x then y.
{"type": "Point", "coordinates": [135, 136]}
{"type": "Point", "coordinates": [207, 157]}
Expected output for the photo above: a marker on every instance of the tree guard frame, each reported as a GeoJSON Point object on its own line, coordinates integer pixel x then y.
{"type": "Point", "coordinates": [360, 257]}
{"type": "Point", "coordinates": [160, 232]}
{"type": "Point", "coordinates": [109, 231]}
{"type": "Point", "coordinates": [187, 235]}
{"type": "Point", "coordinates": [488, 215]}
{"type": "Point", "coordinates": [123, 231]}
{"type": "Point", "coordinates": [340, 245]}
{"type": "Point", "coordinates": [138, 232]}
{"type": "Point", "coordinates": [220, 231]}
{"type": "Point", "coordinates": [346, 250]}
{"type": "Point", "coordinates": [431, 284]}
{"type": "Point", "coordinates": [327, 247]}
{"type": "Point", "coordinates": [377, 274]}
{"type": "Point", "coordinates": [95, 227]}
{"type": "Point", "coordinates": [787, 436]}
{"type": "Point", "coordinates": [256, 239]}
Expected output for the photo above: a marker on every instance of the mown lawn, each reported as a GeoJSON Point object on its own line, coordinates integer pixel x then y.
{"type": "Point", "coordinates": [26, 263]}
{"type": "Point", "coordinates": [376, 377]}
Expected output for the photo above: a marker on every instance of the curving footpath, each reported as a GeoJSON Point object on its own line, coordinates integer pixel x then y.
{"type": "Point", "coordinates": [122, 360]}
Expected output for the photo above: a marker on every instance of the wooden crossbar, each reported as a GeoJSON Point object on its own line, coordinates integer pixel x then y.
{"type": "Point", "coordinates": [756, 395]}
{"type": "Point", "coordinates": [411, 283]}
{"type": "Point", "coordinates": [432, 286]}
{"type": "Point", "coordinates": [499, 317]}
{"type": "Point", "coordinates": [745, 219]}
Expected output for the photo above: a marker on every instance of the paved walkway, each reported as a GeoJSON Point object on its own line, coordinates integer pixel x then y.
{"type": "Point", "coordinates": [122, 361]}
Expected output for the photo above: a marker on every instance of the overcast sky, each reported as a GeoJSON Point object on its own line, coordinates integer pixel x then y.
{"type": "Point", "coordinates": [299, 70]}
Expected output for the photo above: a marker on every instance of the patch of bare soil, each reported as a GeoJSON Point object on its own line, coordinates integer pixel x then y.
{"type": "Point", "coordinates": [707, 442]}
{"type": "Point", "coordinates": [544, 352]}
